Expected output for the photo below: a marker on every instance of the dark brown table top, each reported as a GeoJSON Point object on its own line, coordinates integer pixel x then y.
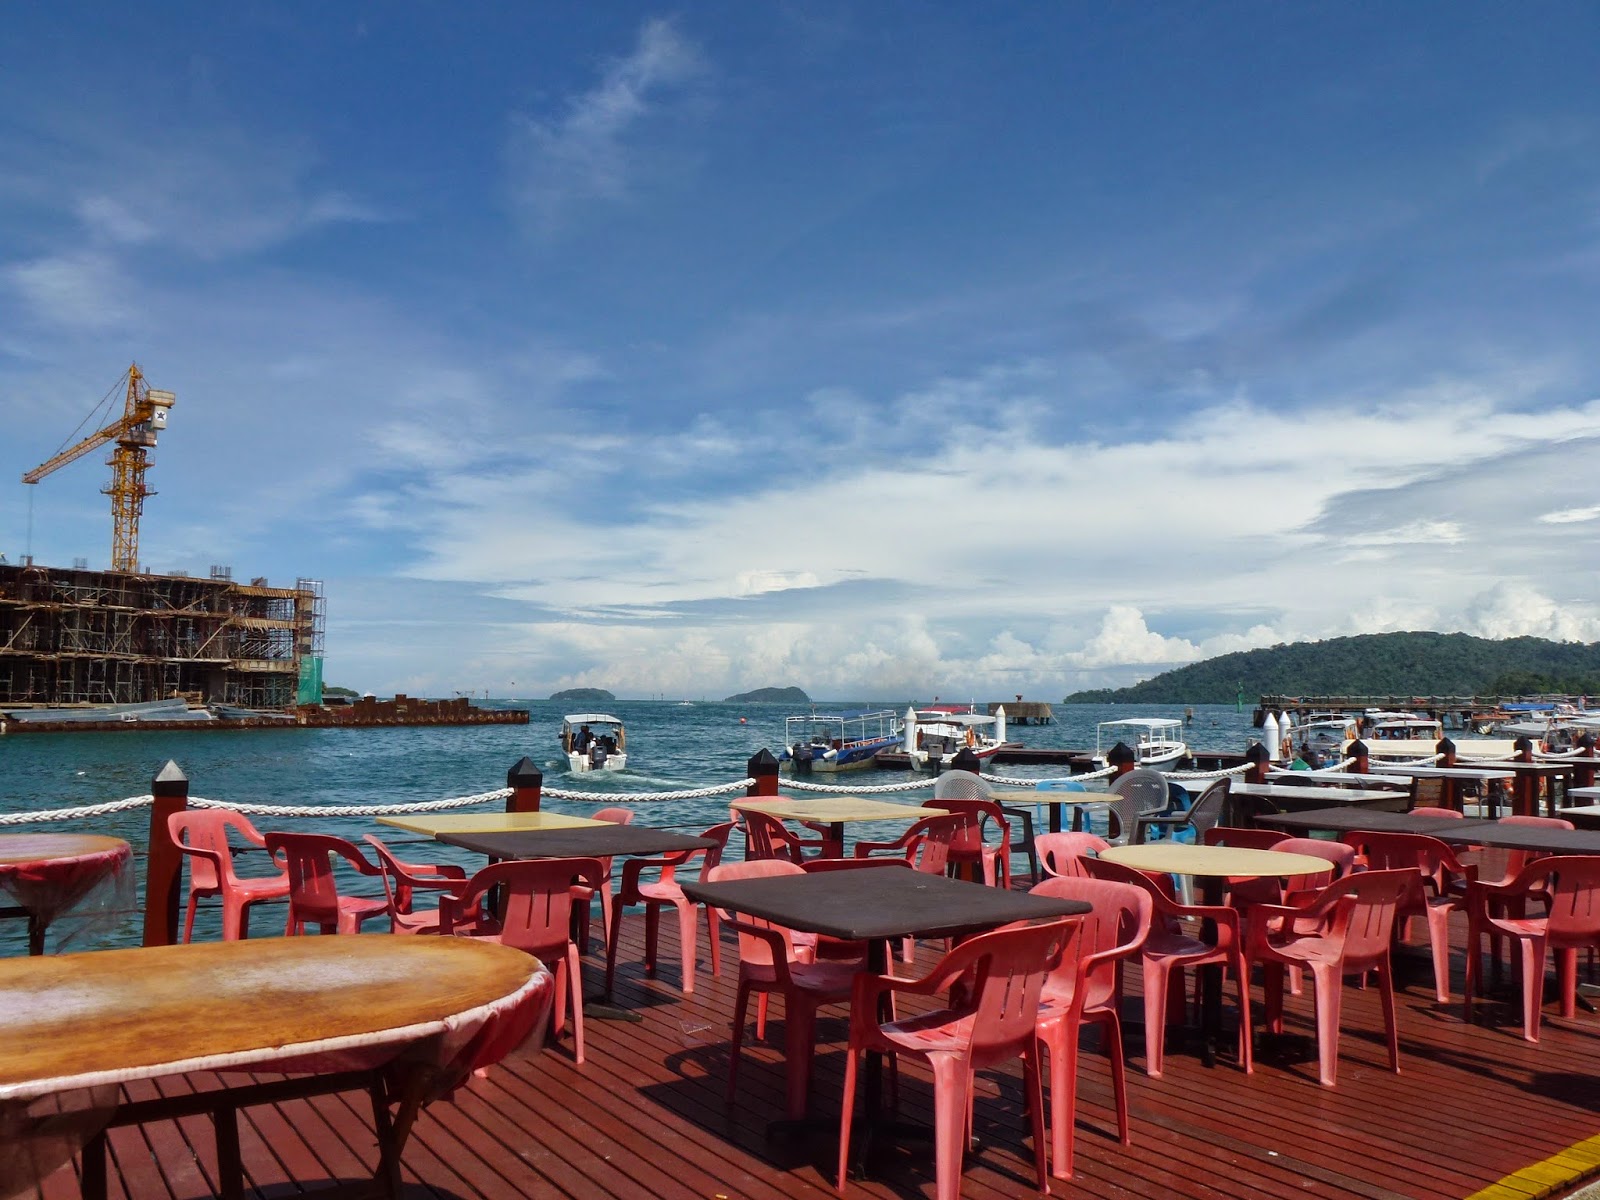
{"type": "Point", "coordinates": [593, 841]}
{"type": "Point", "coordinates": [868, 905]}
{"type": "Point", "coordinates": [1343, 819]}
{"type": "Point", "coordinates": [1525, 837]}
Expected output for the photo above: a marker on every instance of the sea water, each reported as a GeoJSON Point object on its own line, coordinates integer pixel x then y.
{"type": "Point", "coordinates": [671, 746]}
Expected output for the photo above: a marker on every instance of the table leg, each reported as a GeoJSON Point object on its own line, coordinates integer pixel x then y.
{"type": "Point", "coordinates": [36, 929]}
{"type": "Point", "coordinates": [1210, 980]}
{"type": "Point", "coordinates": [1055, 817]}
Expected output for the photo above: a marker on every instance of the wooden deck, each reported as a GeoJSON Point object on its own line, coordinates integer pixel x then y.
{"type": "Point", "coordinates": [645, 1116]}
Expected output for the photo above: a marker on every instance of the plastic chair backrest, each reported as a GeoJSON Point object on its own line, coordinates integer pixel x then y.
{"type": "Point", "coordinates": [755, 950]}
{"type": "Point", "coordinates": [1062, 854]}
{"type": "Point", "coordinates": [210, 857]}
{"type": "Point", "coordinates": [1341, 859]}
{"type": "Point", "coordinates": [1427, 857]}
{"type": "Point", "coordinates": [968, 839]}
{"type": "Point", "coordinates": [1139, 792]}
{"type": "Point", "coordinates": [1369, 927]}
{"type": "Point", "coordinates": [770, 839]}
{"type": "Point", "coordinates": [1574, 890]}
{"type": "Point", "coordinates": [933, 838]}
{"type": "Point", "coordinates": [1163, 892]}
{"type": "Point", "coordinates": [1206, 812]}
{"type": "Point", "coordinates": [960, 785]}
{"type": "Point", "coordinates": [1008, 968]}
{"type": "Point", "coordinates": [712, 855]}
{"type": "Point", "coordinates": [308, 857]}
{"type": "Point", "coordinates": [1117, 925]}
{"type": "Point", "coordinates": [1247, 839]}
{"type": "Point", "coordinates": [535, 908]}
{"type": "Point", "coordinates": [616, 815]}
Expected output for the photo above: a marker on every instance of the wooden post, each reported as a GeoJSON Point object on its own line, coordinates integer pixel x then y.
{"type": "Point", "coordinates": [1449, 789]}
{"type": "Point", "coordinates": [1583, 767]}
{"type": "Point", "coordinates": [526, 782]}
{"type": "Point", "coordinates": [163, 872]}
{"type": "Point", "coordinates": [1363, 758]}
{"type": "Point", "coordinates": [763, 770]}
{"type": "Point", "coordinates": [1260, 760]}
{"type": "Point", "coordinates": [1525, 797]}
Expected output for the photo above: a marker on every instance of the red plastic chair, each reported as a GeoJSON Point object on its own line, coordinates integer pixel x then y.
{"type": "Point", "coordinates": [1063, 854]}
{"type": "Point", "coordinates": [535, 907]}
{"type": "Point", "coordinates": [925, 846]}
{"type": "Point", "coordinates": [660, 893]}
{"type": "Point", "coordinates": [1569, 884]}
{"type": "Point", "coordinates": [1498, 866]}
{"type": "Point", "coordinates": [402, 879]}
{"type": "Point", "coordinates": [1346, 928]}
{"type": "Point", "coordinates": [1001, 975]}
{"type": "Point", "coordinates": [1088, 990]}
{"type": "Point", "coordinates": [314, 897]}
{"type": "Point", "coordinates": [1168, 950]}
{"type": "Point", "coordinates": [616, 815]}
{"type": "Point", "coordinates": [768, 964]}
{"type": "Point", "coordinates": [768, 837]}
{"type": "Point", "coordinates": [1434, 892]}
{"type": "Point", "coordinates": [211, 867]}
{"type": "Point", "coordinates": [969, 847]}
{"type": "Point", "coordinates": [1248, 839]}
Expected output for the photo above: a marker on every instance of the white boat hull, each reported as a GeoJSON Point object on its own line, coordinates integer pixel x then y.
{"type": "Point", "coordinates": [579, 763]}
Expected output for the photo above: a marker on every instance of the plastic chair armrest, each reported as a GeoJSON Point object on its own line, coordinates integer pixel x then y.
{"type": "Point", "coordinates": [777, 945]}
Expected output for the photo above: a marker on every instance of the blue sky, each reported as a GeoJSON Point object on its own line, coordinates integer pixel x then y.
{"type": "Point", "coordinates": [882, 350]}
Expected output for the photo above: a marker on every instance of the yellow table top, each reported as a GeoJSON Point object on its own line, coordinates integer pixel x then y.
{"type": "Point", "coordinates": [146, 1011]}
{"type": "Point", "coordinates": [1177, 858]}
{"type": "Point", "coordinates": [437, 823]}
{"type": "Point", "coordinates": [837, 809]}
{"type": "Point", "coordinates": [54, 847]}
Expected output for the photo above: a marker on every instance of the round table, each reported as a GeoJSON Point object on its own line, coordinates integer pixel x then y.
{"type": "Point", "coordinates": [405, 1018]}
{"type": "Point", "coordinates": [49, 873]}
{"type": "Point", "coordinates": [1211, 865]}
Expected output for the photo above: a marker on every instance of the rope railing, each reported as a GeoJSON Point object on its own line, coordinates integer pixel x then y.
{"type": "Point", "coordinates": [721, 789]}
{"type": "Point", "coordinates": [80, 813]}
{"type": "Point", "coordinates": [849, 790]}
{"type": "Point", "coordinates": [351, 810]}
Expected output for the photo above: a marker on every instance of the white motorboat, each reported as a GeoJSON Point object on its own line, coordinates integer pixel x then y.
{"type": "Point", "coordinates": [1156, 742]}
{"type": "Point", "coordinates": [594, 742]}
{"type": "Point", "coordinates": [933, 736]}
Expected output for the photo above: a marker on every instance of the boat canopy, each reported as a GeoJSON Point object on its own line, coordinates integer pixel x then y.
{"type": "Point", "coordinates": [591, 719]}
{"type": "Point", "coordinates": [1146, 723]}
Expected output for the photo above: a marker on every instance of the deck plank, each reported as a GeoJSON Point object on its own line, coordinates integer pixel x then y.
{"type": "Point", "coordinates": [646, 1113]}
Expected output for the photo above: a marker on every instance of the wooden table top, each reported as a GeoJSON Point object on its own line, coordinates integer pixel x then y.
{"type": "Point", "coordinates": [601, 840]}
{"type": "Point", "coordinates": [1177, 858]}
{"type": "Point", "coordinates": [1333, 795]}
{"type": "Point", "coordinates": [1337, 778]}
{"type": "Point", "coordinates": [1524, 837]}
{"type": "Point", "coordinates": [1346, 819]}
{"type": "Point", "coordinates": [1585, 793]}
{"type": "Point", "coordinates": [57, 847]}
{"type": "Point", "coordinates": [838, 808]}
{"type": "Point", "coordinates": [1484, 773]}
{"type": "Point", "coordinates": [434, 824]}
{"type": "Point", "coordinates": [148, 1011]}
{"type": "Point", "coordinates": [1527, 768]}
{"type": "Point", "coordinates": [870, 905]}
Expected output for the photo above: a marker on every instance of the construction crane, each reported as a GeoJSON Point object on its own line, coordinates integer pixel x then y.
{"type": "Point", "coordinates": [144, 415]}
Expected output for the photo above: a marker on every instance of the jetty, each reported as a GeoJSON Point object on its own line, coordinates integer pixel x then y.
{"type": "Point", "coordinates": [1456, 712]}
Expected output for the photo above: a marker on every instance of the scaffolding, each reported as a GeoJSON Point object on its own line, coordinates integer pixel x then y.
{"type": "Point", "coordinates": [98, 637]}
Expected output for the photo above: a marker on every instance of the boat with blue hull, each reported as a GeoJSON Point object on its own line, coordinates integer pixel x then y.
{"type": "Point", "coordinates": [827, 742]}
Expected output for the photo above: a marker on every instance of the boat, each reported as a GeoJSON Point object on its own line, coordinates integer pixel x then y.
{"type": "Point", "coordinates": [594, 742]}
{"type": "Point", "coordinates": [1393, 735]}
{"type": "Point", "coordinates": [1156, 742]}
{"type": "Point", "coordinates": [933, 736]}
{"type": "Point", "coordinates": [846, 741]}
{"type": "Point", "coordinates": [1323, 736]}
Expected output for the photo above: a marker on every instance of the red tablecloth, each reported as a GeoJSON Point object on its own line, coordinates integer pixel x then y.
{"type": "Point", "coordinates": [49, 874]}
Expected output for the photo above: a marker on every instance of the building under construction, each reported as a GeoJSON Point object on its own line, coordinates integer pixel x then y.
{"type": "Point", "coordinates": [111, 637]}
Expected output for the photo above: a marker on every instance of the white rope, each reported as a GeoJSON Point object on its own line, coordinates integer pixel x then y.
{"type": "Point", "coordinates": [351, 810]}
{"type": "Point", "coordinates": [1426, 761]}
{"type": "Point", "coordinates": [856, 789]}
{"type": "Point", "coordinates": [76, 814]}
{"type": "Point", "coordinates": [1239, 770]}
{"type": "Point", "coordinates": [721, 789]}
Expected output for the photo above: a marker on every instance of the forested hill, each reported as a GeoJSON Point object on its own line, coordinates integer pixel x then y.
{"type": "Point", "coordinates": [1421, 664]}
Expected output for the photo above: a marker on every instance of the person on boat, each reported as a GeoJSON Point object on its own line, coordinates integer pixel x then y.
{"type": "Point", "coordinates": [584, 739]}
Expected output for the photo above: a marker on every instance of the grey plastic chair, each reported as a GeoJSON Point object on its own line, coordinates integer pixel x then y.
{"type": "Point", "coordinates": [965, 785]}
{"type": "Point", "coordinates": [1141, 792]}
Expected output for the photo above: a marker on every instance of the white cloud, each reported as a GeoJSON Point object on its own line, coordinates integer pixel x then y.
{"type": "Point", "coordinates": [1518, 610]}
{"type": "Point", "coordinates": [587, 153]}
{"type": "Point", "coordinates": [84, 291]}
{"type": "Point", "coordinates": [1571, 516]}
{"type": "Point", "coordinates": [1446, 532]}
{"type": "Point", "coordinates": [1124, 639]}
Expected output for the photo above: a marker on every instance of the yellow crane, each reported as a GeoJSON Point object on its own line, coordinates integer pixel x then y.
{"type": "Point", "coordinates": [144, 415]}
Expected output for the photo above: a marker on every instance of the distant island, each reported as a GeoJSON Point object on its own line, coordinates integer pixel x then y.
{"type": "Point", "coordinates": [586, 695]}
{"type": "Point", "coordinates": [1374, 664]}
{"type": "Point", "coordinates": [788, 695]}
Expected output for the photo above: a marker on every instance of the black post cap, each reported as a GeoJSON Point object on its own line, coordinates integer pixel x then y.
{"type": "Point", "coordinates": [762, 763]}
{"type": "Point", "coordinates": [1585, 741]}
{"type": "Point", "coordinates": [1119, 754]}
{"type": "Point", "coordinates": [1257, 753]}
{"type": "Point", "coordinates": [1445, 746]}
{"type": "Point", "coordinates": [1357, 749]}
{"type": "Point", "coordinates": [965, 760]}
{"type": "Point", "coordinates": [1522, 743]}
{"type": "Point", "coordinates": [524, 774]}
{"type": "Point", "coordinates": [170, 781]}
